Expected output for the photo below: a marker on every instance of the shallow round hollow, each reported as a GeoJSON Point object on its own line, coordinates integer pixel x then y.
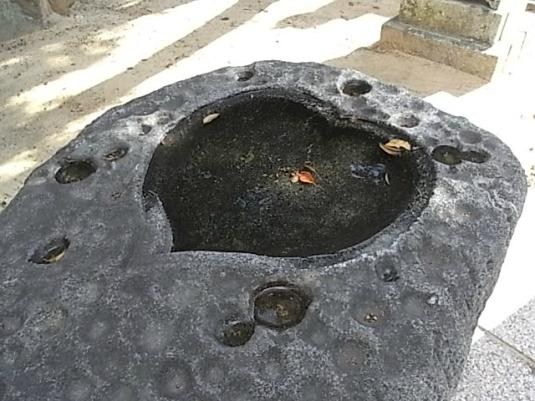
{"type": "Point", "coordinates": [145, 129]}
{"type": "Point", "coordinates": [470, 136]}
{"type": "Point", "coordinates": [407, 121]}
{"type": "Point", "coordinates": [244, 75]}
{"type": "Point", "coordinates": [116, 154]}
{"type": "Point", "coordinates": [387, 273]}
{"type": "Point", "coordinates": [447, 155]}
{"type": "Point", "coordinates": [229, 185]}
{"type": "Point", "coordinates": [280, 306]}
{"type": "Point", "coordinates": [74, 171]}
{"type": "Point", "coordinates": [356, 87]}
{"type": "Point", "coordinates": [235, 332]}
{"type": "Point", "coordinates": [475, 156]}
{"type": "Point", "coordinates": [51, 252]}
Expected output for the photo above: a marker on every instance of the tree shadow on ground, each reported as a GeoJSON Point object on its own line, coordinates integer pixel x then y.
{"type": "Point", "coordinates": [36, 142]}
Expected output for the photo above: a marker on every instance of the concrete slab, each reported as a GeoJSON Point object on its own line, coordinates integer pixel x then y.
{"type": "Point", "coordinates": [494, 373]}
{"type": "Point", "coordinates": [519, 330]}
{"type": "Point", "coordinates": [515, 285]}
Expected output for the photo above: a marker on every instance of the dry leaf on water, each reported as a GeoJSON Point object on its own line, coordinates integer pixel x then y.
{"type": "Point", "coordinates": [400, 144]}
{"type": "Point", "coordinates": [395, 147]}
{"type": "Point", "coordinates": [304, 177]}
{"type": "Point", "coordinates": [209, 118]}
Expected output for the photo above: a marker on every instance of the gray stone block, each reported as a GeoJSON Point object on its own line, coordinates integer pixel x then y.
{"type": "Point", "coordinates": [168, 253]}
{"type": "Point", "coordinates": [519, 330]}
{"type": "Point", "coordinates": [452, 17]}
{"type": "Point", "coordinates": [465, 55]}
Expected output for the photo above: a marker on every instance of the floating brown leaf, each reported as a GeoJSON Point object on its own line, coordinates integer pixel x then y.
{"type": "Point", "coordinates": [306, 177]}
{"type": "Point", "coordinates": [388, 150]}
{"type": "Point", "coordinates": [395, 147]}
{"type": "Point", "coordinates": [209, 118]}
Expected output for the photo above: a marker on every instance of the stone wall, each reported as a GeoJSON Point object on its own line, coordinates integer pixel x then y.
{"type": "Point", "coordinates": [476, 37]}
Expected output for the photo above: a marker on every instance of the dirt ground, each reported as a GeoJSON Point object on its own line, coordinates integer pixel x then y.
{"type": "Point", "coordinates": [55, 81]}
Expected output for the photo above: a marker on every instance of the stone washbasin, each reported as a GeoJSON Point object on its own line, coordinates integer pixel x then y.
{"type": "Point", "coordinates": [272, 232]}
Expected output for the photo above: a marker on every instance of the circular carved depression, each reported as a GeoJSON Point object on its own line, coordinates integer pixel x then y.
{"type": "Point", "coordinates": [51, 251]}
{"type": "Point", "coordinates": [235, 332]}
{"type": "Point", "coordinates": [356, 87]}
{"type": "Point", "coordinates": [280, 306]}
{"type": "Point", "coordinates": [74, 170]}
{"type": "Point", "coordinates": [116, 154]}
{"type": "Point", "coordinates": [267, 172]}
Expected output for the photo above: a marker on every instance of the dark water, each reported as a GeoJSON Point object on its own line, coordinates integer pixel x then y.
{"type": "Point", "coordinates": [226, 185]}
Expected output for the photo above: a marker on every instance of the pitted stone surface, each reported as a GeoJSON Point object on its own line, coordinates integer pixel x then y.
{"type": "Point", "coordinates": [118, 316]}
